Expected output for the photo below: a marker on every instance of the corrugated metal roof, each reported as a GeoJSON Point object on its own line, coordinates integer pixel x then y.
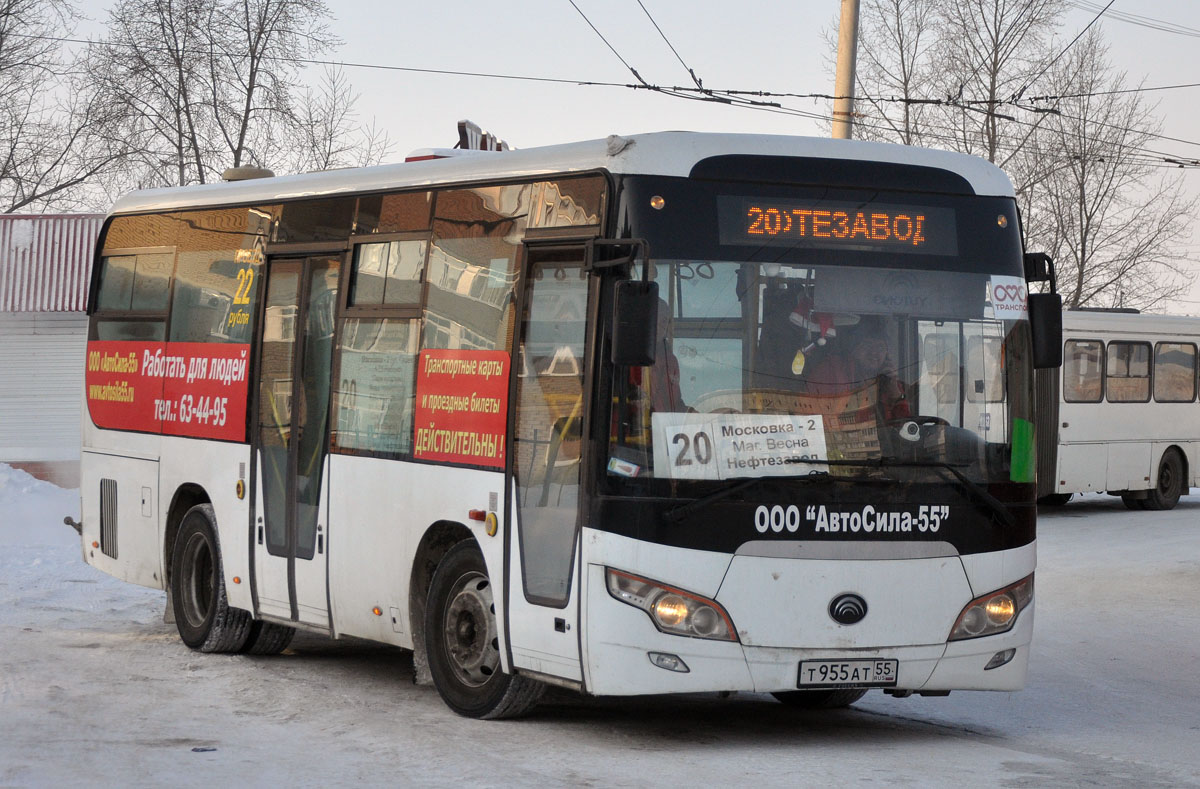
{"type": "Point", "coordinates": [46, 261]}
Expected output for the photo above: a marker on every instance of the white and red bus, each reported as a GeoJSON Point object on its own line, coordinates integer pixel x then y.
{"type": "Point", "coordinates": [558, 416]}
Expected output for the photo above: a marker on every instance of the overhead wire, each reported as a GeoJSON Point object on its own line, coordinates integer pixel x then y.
{"type": "Point", "coordinates": [734, 97]}
{"type": "Point", "coordinates": [1142, 21]}
{"type": "Point", "coordinates": [605, 40]}
{"type": "Point", "coordinates": [1017, 96]}
{"type": "Point", "coordinates": [678, 57]}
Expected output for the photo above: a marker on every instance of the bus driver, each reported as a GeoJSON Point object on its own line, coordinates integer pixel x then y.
{"type": "Point", "coordinates": [855, 362]}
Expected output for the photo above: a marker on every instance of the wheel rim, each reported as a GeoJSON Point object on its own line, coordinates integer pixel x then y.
{"type": "Point", "coordinates": [1166, 480]}
{"type": "Point", "coordinates": [199, 579]}
{"type": "Point", "coordinates": [469, 630]}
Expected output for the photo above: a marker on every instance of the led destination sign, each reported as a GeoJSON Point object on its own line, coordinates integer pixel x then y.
{"type": "Point", "coordinates": [874, 227]}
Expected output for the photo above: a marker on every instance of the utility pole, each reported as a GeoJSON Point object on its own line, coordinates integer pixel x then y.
{"type": "Point", "coordinates": [843, 83]}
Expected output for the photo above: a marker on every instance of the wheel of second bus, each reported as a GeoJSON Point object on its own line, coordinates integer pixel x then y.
{"type": "Point", "coordinates": [820, 699]}
{"type": "Point", "coordinates": [1165, 494]}
{"type": "Point", "coordinates": [463, 643]}
{"type": "Point", "coordinates": [1133, 502]}
{"type": "Point", "coordinates": [202, 614]}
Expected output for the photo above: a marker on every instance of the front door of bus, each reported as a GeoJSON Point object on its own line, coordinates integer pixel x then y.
{"type": "Point", "coordinates": [290, 538]}
{"type": "Point", "coordinates": [543, 589]}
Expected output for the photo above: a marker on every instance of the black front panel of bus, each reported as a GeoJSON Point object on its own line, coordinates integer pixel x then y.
{"type": "Point", "coordinates": [688, 225]}
{"type": "Point", "coordinates": [824, 511]}
{"type": "Point", "coordinates": [828, 509]}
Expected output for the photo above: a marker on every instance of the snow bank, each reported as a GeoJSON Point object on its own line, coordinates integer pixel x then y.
{"type": "Point", "coordinates": [32, 511]}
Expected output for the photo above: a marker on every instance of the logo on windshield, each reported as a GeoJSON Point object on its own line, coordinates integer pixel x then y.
{"type": "Point", "coordinates": [847, 609]}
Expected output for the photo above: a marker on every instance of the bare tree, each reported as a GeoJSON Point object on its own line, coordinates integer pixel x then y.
{"type": "Point", "coordinates": [938, 72]}
{"type": "Point", "coordinates": [150, 68]}
{"type": "Point", "coordinates": [210, 84]}
{"type": "Point", "coordinates": [254, 51]}
{"type": "Point", "coordinates": [329, 130]}
{"type": "Point", "coordinates": [989, 52]}
{"type": "Point", "coordinates": [1114, 220]}
{"type": "Point", "coordinates": [1090, 194]}
{"type": "Point", "coordinates": [896, 69]}
{"type": "Point", "coordinates": [52, 133]}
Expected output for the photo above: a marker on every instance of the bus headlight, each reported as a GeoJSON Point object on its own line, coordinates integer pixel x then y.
{"type": "Point", "coordinates": [672, 610]}
{"type": "Point", "coordinates": [994, 612]}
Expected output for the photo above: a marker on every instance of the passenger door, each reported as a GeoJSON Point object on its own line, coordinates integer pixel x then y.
{"type": "Point", "coordinates": [291, 571]}
{"type": "Point", "coordinates": [543, 588]}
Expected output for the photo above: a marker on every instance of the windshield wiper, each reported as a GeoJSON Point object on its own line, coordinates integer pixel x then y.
{"type": "Point", "coordinates": [974, 489]}
{"type": "Point", "coordinates": [677, 514]}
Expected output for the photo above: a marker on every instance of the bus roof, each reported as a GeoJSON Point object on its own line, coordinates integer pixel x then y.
{"type": "Point", "coordinates": [1108, 322]}
{"type": "Point", "coordinates": [672, 153]}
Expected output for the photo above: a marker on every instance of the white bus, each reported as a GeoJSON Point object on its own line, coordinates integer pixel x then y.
{"type": "Point", "coordinates": [556, 416]}
{"type": "Point", "coordinates": [1123, 417]}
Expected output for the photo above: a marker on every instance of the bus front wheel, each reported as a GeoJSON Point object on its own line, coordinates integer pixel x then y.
{"type": "Point", "coordinates": [205, 621]}
{"type": "Point", "coordinates": [463, 644]}
{"type": "Point", "coordinates": [1165, 494]}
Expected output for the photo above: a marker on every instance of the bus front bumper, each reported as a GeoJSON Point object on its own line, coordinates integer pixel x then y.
{"type": "Point", "coordinates": [622, 646]}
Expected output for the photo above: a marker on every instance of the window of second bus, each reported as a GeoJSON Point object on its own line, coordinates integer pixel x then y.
{"type": "Point", "coordinates": [1083, 371]}
{"type": "Point", "coordinates": [1127, 372]}
{"type": "Point", "coordinates": [1174, 372]}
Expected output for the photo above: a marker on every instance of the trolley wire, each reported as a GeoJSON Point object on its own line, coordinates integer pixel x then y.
{"type": "Point", "coordinates": [734, 97]}
{"type": "Point", "coordinates": [686, 67]}
{"type": "Point", "coordinates": [1142, 21]}
{"type": "Point", "coordinates": [1017, 96]}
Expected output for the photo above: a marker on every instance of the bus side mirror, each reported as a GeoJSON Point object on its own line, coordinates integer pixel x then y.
{"type": "Point", "coordinates": [1045, 319]}
{"type": "Point", "coordinates": [635, 323]}
{"type": "Point", "coordinates": [1039, 267]}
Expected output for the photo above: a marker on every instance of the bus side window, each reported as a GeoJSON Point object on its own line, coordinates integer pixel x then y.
{"type": "Point", "coordinates": [472, 268]}
{"type": "Point", "coordinates": [132, 300]}
{"type": "Point", "coordinates": [1083, 371]}
{"type": "Point", "coordinates": [218, 273]}
{"type": "Point", "coordinates": [373, 392]}
{"type": "Point", "coordinates": [1127, 374]}
{"type": "Point", "coordinates": [1174, 372]}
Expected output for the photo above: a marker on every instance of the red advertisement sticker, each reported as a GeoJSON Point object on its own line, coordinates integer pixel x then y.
{"type": "Point", "coordinates": [462, 406]}
{"type": "Point", "coordinates": [176, 388]}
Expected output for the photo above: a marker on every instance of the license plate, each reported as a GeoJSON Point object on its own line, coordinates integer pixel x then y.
{"type": "Point", "coordinates": [872, 673]}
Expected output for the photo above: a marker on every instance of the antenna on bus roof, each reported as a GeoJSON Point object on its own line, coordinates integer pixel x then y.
{"type": "Point", "coordinates": [471, 139]}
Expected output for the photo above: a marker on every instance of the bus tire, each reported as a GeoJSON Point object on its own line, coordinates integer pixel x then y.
{"type": "Point", "coordinates": [203, 616]}
{"type": "Point", "coordinates": [1165, 494]}
{"type": "Point", "coordinates": [1054, 499]}
{"type": "Point", "coordinates": [267, 638]}
{"type": "Point", "coordinates": [1133, 502]}
{"type": "Point", "coordinates": [462, 641]}
{"type": "Point", "coordinates": [820, 699]}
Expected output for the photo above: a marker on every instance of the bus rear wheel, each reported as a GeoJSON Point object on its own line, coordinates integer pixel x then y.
{"type": "Point", "coordinates": [267, 638]}
{"type": "Point", "coordinates": [1165, 494]}
{"type": "Point", "coordinates": [1133, 502]}
{"type": "Point", "coordinates": [463, 643]}
{"type": "Point", "coordinates": [205, 621]}
{"type": "Point", "coordinates": [1054, 499]}
{"type": "Point", "coordinates": [820, 699]}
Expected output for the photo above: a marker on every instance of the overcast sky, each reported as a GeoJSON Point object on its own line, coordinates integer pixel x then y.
{"type": "Point", "coordinates": [747, 45]}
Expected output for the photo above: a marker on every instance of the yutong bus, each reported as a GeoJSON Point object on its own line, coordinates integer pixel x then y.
{"type": "Point", "coordinates": [666, 413]}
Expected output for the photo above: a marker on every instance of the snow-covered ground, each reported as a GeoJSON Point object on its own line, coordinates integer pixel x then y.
{"type": "Point", "coordinates": [95, 689]}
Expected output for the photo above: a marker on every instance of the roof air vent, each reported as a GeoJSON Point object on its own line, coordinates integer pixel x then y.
{"type": "Point", "coordinates": [246, 173]}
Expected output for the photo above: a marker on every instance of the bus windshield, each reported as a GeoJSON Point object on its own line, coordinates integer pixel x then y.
{"type": "Point", "coordinates": [787, 369]}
